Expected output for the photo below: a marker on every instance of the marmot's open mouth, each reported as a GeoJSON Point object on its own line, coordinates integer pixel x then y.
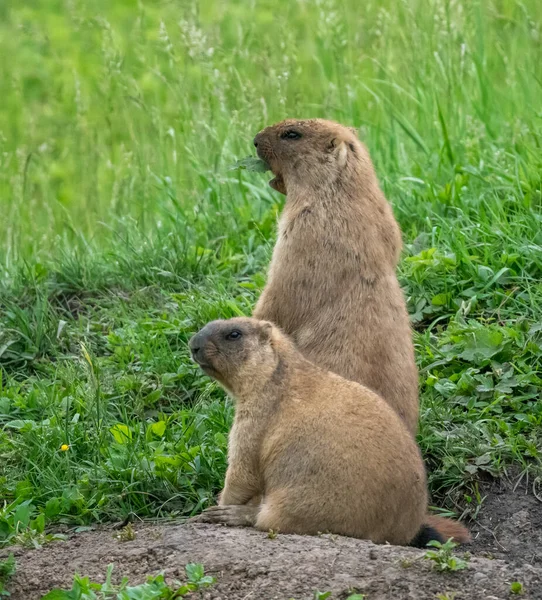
{"type": "Point", "coordinates": [277, 183]}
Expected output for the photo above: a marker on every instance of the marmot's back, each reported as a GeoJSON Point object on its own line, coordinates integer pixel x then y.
{"type": "Point", "coordinates": [332, 283]}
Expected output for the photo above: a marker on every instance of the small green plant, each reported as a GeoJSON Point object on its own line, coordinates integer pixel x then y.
{"type": "Point", "coordinates": [197, 578]}
{"type": "Point", "coordinates": [127, 533]}
{"type": "Point", "coordinates": [272, 534]}
{"type": "Point", "coordinates": [516, 588]}
{"type": "Point", "coordinates": [447, 596]}
{"type": "Point", "coordinates": [7, 570]}
{"type": "Point", "coordinates": [406, 563]}
{"type": "Point", "coordinates": [442, 557]}
{"type": "Point", "coordinates": [155, 588]}
{"type": "Point", "coordinates": [19, 524]}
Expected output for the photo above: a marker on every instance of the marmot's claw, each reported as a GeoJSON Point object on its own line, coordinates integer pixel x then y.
{"type": "Point", "coordinates": [205, 516]}
{"type": "Point", "coordinates": [213, 508]}
{"type": "Point", "coordinates": [196, 519]}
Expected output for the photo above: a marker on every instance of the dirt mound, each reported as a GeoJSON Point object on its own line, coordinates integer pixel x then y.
{"type": "Point", "coordinates": [507, 547]}
{"type": "Point", "coordinates": [250, 565]}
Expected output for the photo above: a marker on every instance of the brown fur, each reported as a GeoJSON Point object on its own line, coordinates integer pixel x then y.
{"type": "Point", "coordinates": [332, 284]}
{"type": "Point", "coordinates": [324, 453]}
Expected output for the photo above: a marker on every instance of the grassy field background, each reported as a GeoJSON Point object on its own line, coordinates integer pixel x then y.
{"type": "Point", "coordinates": [123, 231]}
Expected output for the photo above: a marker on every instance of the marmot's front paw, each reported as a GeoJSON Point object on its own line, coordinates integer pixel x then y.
{"type": "Point", "coordinates": [230, 515]}
{"type": "Point", "coordinates": [201, 518]}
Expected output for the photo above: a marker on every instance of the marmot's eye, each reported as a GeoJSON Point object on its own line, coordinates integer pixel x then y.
{"type": "Point", "coordinates": [290, 135]}
{"type": "Point", "coordinates": [234, 335]}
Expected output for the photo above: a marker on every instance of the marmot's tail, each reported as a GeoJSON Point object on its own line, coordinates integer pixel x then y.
{"type": "Point", "coordinates": [449, 529]}
{"type": "Point", "coordinates": [440, 529]}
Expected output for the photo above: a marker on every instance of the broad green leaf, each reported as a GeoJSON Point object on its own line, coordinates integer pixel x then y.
{"type": "Point", "coordinates": [21, 516]}
{"type": "Point", "coordinates": [39, 523]}
{"type": "Point", "coordinates": [482, 345]}
{"type": "Point", "coordinates": [121, 432]}
{"type": "Point", "coordinates": [53, 507]}
{"type": "Point", "coordinates": [440, 299]}
{"type": "Point", "coordinates": [153, 397]}
{"type": "Point", "coordinates": [194, 571]}
{"type": "Point", "coordinates": [159, 428]}
{"type": "Point", "coordinates": [321, 595]}
{"type": "Point", "coordinates": [61, 595]}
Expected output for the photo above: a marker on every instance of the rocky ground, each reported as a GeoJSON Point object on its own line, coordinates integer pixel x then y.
{"type": "Point", "coordinates": [507, 547]}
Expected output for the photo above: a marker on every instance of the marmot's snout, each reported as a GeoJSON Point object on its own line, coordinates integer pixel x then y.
{"type": "Point", "coordinates": [201, 344]}
{"type": "Point", "coordinates": [263, 146]}
{"type": "Point", "coordinates": [203, 347]}
{"type": "Point", "coordinates": [196, 345]}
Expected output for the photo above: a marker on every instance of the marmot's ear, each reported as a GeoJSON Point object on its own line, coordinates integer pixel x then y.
{"type": "Point", "coordinates": [340, 151]}
{"type": "Point", "coordinates": [266, 329]}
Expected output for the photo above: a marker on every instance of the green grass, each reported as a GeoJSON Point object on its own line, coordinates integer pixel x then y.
{"type": "Point", "coordinates": [7, 570]}
{"type": "Point", "coordinates": [123, 231]}
{"type": "Point", "coordinates": [155, 588]}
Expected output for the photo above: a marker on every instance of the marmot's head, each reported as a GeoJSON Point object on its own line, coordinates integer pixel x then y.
{"type": "Point", "coordinates": [236, 352]}
{"type": "Point", "coordinates": [310, 153]}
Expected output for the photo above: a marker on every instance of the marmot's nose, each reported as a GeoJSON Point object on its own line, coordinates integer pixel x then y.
{"type": "Point", "coordinates": [256, 141]}
{"type": "Point", "coordinates": [195, 345]}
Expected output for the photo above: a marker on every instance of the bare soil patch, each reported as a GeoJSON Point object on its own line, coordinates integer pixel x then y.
{"type": "Point", "coordinates": [507, 547]}
{"type": "Point", "coordinates": [509, 525]}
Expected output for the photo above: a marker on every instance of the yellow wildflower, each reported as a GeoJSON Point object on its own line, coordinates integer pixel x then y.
{"type": "Point", "coordinates": [64, 447]}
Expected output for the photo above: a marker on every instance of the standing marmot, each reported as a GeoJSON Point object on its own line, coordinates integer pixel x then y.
{"type": "Point", "coordinates": [332, 285]}
{"type": "Point", "coordinates": [325, 453]}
